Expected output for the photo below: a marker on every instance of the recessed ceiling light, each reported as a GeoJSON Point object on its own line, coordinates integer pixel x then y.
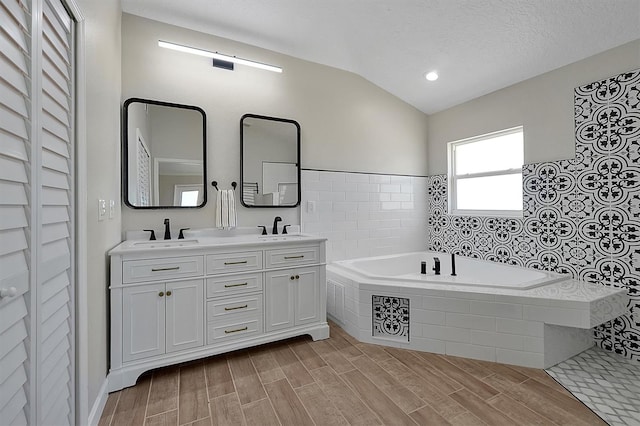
{"type": "Point", "coordinates": [431, 76]}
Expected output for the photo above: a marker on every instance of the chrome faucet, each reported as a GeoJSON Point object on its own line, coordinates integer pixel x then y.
{"type": "Point", "coordinates": [436, 265]}
{"type": "Point", "coordinates": [167, 230]}
{"type": "Point", "coordinates": [277, 219]}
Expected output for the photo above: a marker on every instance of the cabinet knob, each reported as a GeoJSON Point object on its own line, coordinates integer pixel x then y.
{"type": "Point", "coordinates": [297, 277]}
{"type": "Point", "coordinates": [169, 293]}
{"type": "Point", "coordinates": [292, 278]}
{"type": "Point", "coordinates": [8, 292]}
{"type": "Point", "coordinates": [161, 294]}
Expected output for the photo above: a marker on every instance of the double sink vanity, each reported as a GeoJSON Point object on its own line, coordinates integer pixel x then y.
{"type": "Point", "coordinates": [212, 292]}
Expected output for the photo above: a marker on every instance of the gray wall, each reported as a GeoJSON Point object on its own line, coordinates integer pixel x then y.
{"type": "Point", "coordinates": [347, 122]}
{"type": "Point", "coordinates": [543, 104]}
{"type": "Point", "coordinates": [102, 50]}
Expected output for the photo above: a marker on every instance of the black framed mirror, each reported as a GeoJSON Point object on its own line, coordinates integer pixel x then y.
{"type": "Point", "coordinates": [269, 161]}
{"type": "Point", "coordinates": [164, 155]}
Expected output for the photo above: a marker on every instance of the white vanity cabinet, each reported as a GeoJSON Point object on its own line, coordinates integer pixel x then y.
{"type": "Point", "coordinates": [161, 318]}
{"type": "Point", "coordinates": [171, 305]}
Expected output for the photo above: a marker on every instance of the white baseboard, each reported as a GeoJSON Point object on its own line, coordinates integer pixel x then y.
{"type": "Point", "coordinates": [99, 403]}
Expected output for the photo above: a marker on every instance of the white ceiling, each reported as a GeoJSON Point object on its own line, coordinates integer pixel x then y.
{"type": "Point", "coordinates": [477, 46]}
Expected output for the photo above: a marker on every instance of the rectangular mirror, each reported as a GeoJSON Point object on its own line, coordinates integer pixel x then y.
{"type": "Point", "coordinates": [269, 161]}
{"type": "Point", "coordinates": [164, 155]}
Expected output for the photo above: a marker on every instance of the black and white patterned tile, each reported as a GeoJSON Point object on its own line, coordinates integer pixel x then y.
{"type": "Point", "coordinates": [604, 382]}
{"type": "Point", "coordinates": [390, 317]}
{"type": "Point", "coordinates": [580, 216]}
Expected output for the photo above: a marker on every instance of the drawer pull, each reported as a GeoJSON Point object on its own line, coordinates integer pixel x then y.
{"type": "Point", "coordinates": [236, 330]}
{"type": "Point", "coordinates": [235, 285]}
{"type": "Point", "coordinates": [161, 294]}
{"type": "Point", "coordinates": [294, 257]}
{"type": "Point", "coordinates": [173, 268]}
{"type": "Point", "coordinates": [169, 293]}
{"type": "Point", "coordinates": [236, 263]}
{"type": "Point", "coordinates": [235, 307]}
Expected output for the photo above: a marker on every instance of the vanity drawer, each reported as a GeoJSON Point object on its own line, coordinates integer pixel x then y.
{"type": "Point", "coordinates": [134, 271]}
{"type": "Point", "coordinates": [236, 328]}
{"type": "Point", "coordinates": [222, 309]}
{"type": "Point", "coordinates": [233, 262]}
{"type": "Point", "coordinates": [234, 284]}
{"type": "Point", "coordinates": [292, 256]}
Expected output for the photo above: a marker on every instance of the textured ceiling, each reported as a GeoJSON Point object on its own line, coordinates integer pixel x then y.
{"type": "Point", "coordinates": [477, 46]}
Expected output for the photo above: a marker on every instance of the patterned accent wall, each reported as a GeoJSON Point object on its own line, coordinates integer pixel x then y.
{"type": "Point", "coordinates": [581, 216]}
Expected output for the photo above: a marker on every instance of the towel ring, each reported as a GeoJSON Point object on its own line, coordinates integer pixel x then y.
{"type": "Point", "coordinates": [215, 185]}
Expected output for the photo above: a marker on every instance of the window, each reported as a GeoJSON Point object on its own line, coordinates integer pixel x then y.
{"type": "Point", "coordinates": [485, 174]}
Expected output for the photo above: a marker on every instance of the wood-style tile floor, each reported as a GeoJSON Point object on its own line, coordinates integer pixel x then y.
{"type": "Point", "coordinates": [340, 381]}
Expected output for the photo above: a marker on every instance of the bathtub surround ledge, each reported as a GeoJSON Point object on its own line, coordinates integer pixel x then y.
{"type": "Point", "coordinates": [537, 327]}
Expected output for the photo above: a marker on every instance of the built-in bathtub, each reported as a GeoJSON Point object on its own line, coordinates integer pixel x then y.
{"type": "Point", "coordinates": [488, 311]}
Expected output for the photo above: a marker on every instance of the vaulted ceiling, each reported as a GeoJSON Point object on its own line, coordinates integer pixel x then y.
{"type": "Point", "coordinates": [476, 46]}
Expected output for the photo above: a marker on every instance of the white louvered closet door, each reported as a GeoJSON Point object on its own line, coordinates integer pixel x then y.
{"type": "Point", "coordinates": [36, 213]}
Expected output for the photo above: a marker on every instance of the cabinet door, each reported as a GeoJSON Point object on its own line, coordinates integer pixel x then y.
{"type": "Point", "coordinates": [143, 312]}
{"type": "Point", "coordinates": [185, 315]}
{"type": "Point", "coordinates": [279, 300]}
{"type": "Point", "coordinates": [307, 289]}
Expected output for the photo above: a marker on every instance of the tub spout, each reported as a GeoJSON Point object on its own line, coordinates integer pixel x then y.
{"type": "Point", "coordinates": [436, 265]}
{"type": "Point", "coordinates": [453, 264]}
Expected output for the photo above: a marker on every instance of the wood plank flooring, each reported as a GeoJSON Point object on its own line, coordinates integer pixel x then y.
{"type": "Point", "coordinates": [340, 381]}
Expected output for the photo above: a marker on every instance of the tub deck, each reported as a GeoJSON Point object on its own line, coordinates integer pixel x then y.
{"type": "Point", "coordinates": [536, 327]}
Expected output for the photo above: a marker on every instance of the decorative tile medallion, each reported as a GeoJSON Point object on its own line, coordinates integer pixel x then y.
{"type": "Point", "coordinates": [580, 216]}
{"type": "Point", "coordinates": [390, 317]}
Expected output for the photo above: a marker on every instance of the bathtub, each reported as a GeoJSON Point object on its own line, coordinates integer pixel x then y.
{"type": "Point", "coordinates": [488, 311]}
{"type": "Point", "coordinates": [469, 271]}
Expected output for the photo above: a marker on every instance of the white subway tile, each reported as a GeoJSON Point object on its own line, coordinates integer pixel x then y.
{"type": "Point", "coordinates": [379, 179]}
{"type": "Point", "coordinates": [344, 187]}
{"type": "Point", "coordinates": [310, 196]}
{"type": "Point", "coordinates": [466, 350]}
{"type": "Point", "coordinates": [400, 197]}
{"type": "Point", "coordinates": [345, 206]}
{"type": "Point", "coordinates": [357, 177]}
{"type": "Point", "coordinates": [450, 334]}
{"type": "Point", "coordinates": [427, 316]}
{"type": "Point", "coordinates": [357, 196]}
{"type": "Point", "coordinates": [407, 205]}
{"type": "Point", "coordinates": [445, 304]}
{"type": "Point", "coordinates": [502, 310]}
{"type": "Point", "coordinates": [558, 316]}
{"type": "Point", "coordinates": [428, 345]}
{"type": "Point", "coordinates": [356, 234]}
{"type": "Point", "coordinates": [368, 187]}
{"type": "Point", "coordinates": [533, 344]}
{"type": "Point", "coordinates": [525, 359]}
{"type": "Point", "coordinates": [389, 188]}
{"type": "Point", "coordinates": [474, 322]}
{"type": "Point", "coordinates": [379, 196]}
{"type": "Point", "coordinates": [324, 207]}
{"type": "Point", "coordinates": [317, 186]}
{"type": "Point", "coordinates": [406, 188]}
{"type": "Point", "coordinates": [332, 177]}
{"type": "Point", "coordinates": [497, 340]}
{"type": "Point", "coordinates": [331, 196]}
{"type": "Point", "coordinates": [328, 218]}
{"type": "Point", "coordinates": [525, 328]}
{"type": "Point", "coordinates": [343, 226]}
{"type": "Point", "coordinates": [400, 179]}
{"type": "Point", "coordinates": [367, 224]}
{"type": "Point", "coordinates": [309, 176]}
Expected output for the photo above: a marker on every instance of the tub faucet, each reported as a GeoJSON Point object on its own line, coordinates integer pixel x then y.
{"type": "Point", "coordinates": [167, 230]}
{"type": "Point", "coordinates": [436, 265]}
{"type": "Point", "coordinates": [277, 219]}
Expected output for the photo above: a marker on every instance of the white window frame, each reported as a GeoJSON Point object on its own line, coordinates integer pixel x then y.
{"type": "Point", "coordinates": [453, 177]}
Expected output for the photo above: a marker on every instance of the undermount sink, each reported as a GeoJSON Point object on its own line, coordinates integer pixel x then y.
{"type": "Point", "coordinates": [165, 243]}
{"type": "Point", "coordinates": [279, 237]}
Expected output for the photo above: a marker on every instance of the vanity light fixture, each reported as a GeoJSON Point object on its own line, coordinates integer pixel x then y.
{"type": "Point", "coordinates": [218, 56]}
{"type": "Point", "coordinates": [431, 76]}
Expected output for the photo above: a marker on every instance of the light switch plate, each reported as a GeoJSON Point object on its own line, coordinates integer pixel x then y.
{"type": "Point", "coordinates": [112, 209]}
{"type": "Point", "coordinates": [311, 206]}
{"type": "Point", "coordinates": [102, 209]}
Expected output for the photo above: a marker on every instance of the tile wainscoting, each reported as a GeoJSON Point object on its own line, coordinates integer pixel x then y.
{"type": "Point", "coordinates": [581, 216]}
{"type": "Point", "coordinates": [364, 214]}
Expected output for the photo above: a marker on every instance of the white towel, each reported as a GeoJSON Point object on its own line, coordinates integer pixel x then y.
{"type": "Point", "coordinates": [226, 216]}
